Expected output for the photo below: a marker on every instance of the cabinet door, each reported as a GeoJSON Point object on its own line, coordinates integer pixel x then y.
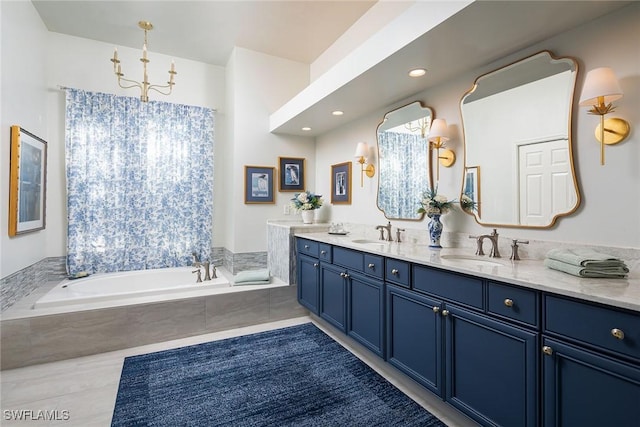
{"type": "Point", "coordinates": [365, 302]}
{"type": "Point", "coordinates": [333, 295]}
{"type": "Point", "coordinates": [491, 369]}
{"type": "Point", "coordinates": [414, 336]}
{"type": "Point", "coordinates": [308, 279]}
{"type": "Point", "coordinates": [582, 388]}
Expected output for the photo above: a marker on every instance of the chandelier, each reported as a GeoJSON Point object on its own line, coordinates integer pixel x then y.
{"type": "Point", "coordinates": [144, 86]}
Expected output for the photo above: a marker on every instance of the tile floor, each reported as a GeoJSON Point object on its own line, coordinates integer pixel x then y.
{"type": "Point", "coordinates": [85, 388]}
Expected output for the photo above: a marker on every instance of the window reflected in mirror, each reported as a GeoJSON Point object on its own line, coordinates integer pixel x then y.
{"type": "Point", "coordinates": [403, 160]}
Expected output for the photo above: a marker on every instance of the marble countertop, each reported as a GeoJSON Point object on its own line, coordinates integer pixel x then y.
{"type": "Point", "coordinates": [623, 293]}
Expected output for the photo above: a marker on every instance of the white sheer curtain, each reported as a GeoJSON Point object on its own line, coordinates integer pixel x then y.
{"type": "Point", "coordinates": [139, 182]}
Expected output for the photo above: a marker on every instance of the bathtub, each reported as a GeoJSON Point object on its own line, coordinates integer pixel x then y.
{"type": "Point", "coordinates": [104, 287]}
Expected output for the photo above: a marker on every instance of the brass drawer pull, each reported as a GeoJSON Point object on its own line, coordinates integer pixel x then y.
{"type": "Point", "coordinates": [306, 246]}
{"type": "Point", "coordinates": [345, 275]}
{"type": "Point", "coordinates": [395, 272]}
{"type": "Point", "coordinates": [445, 312]}
{"type": "Point", "coordinates": [372, 266]}
{"type": "Point", "coordinates": [323, 252]}
{"type": "Point", "coordinates": [547, 350]}
{"type": "Point", "coordinates": [617, 333]}
{"type": "Point", "coordinates": [316, 265]}
{"type": "Point", "coordinates": [508, 302]}
{"type": "Point", "coordinates": [436, 309]}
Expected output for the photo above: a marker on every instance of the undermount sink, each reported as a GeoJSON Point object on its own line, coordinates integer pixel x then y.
{"type": "Point", "coordinates": [470, 260]}
{"type": "Point", "coordinates": [369, 242]}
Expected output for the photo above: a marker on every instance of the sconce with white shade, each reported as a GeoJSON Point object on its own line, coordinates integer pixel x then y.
{"type": "Point", "coordinates": [438, 136]}
{"type": "Point", "coordinates": [600, 89]}
{"type": "Point", "coordinates": [363, 155]}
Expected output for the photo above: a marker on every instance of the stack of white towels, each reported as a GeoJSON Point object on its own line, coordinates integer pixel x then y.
{"type": "Point", "coordinates": [586, 263]}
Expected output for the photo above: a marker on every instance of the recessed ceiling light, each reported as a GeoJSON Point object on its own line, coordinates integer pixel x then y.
{"type": "Point", "coordinates": [306, 128]}
{"type": "Point", "coordinates": [417, 72]}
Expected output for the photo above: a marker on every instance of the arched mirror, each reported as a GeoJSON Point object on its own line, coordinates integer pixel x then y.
{"type": "Point", "coordinates": [403, 160]}
{"type": "Point", "coordinates": [517, 138]}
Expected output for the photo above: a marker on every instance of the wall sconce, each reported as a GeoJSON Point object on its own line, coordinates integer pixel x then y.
{"type": "Point", "coordinates": [600, 89]}
{"type": "Point", "coordinates": [362, 154]}
{"type": "Point", "coordinates": [438, 135]}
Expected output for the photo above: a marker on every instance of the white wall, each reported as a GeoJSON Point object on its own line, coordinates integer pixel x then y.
{"type": "Point", "coordinates": [610, 194]}
{"type": "Point", "coordinates": [23, 103]}
{"type": "Point", "coordinates": [258, 84]}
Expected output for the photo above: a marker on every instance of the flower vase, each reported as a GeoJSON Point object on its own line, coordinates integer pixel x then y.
{"type": "Point", "coordinates": [435, 231]}
{"type": "Point", "coordinates": [307, 216]}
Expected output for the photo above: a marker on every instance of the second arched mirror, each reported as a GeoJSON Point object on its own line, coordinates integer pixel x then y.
{"type": "Point", "coordinates": [517, 138]}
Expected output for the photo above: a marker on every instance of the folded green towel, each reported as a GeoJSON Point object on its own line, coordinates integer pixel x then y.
{"type": "Point", "coordinates": [585, 258]}
{"type": "Point", "coordinates": [580, 271]}
{"type": "Point", "coordinates": [257, 282]}
{"type": "Point", "coordinates": [252, 276]}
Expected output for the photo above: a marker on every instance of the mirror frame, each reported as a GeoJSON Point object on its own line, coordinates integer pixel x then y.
{"type": "Point", "coordinates": [429, 172]}
{"type": "Point", "coordinates": [555, 217]}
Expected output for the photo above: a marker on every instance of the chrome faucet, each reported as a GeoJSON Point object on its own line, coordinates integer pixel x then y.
{"type": "Point", "coordinates": [199, 276]}
{"type": "Point", "coordinates": [385, 227]}
{"type": "Point", "coordinates": [493, 237]}
{"type": "Point", "coordinates": [398, 231]}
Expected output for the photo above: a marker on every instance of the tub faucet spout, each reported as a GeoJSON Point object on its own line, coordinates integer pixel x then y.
{"type": "Point", "coordinates": [207, 275]}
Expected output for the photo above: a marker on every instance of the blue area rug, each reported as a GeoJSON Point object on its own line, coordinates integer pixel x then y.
{"type": "Point", "coordinates": [296, 376]}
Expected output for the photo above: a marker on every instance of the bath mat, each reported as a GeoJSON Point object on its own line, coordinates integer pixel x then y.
{"type": "Point", "coordinates": [295, 376]}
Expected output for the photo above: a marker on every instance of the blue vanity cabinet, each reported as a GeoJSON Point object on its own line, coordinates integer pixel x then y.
{"type": "Point", "coordinates": [491, 368]}
{"type": "Point", "coordinates": [490, 363]}
{"type": "Point", "coordinates": [308, 271]}
{"type": "Point", "coordinates": [590, 364]}
{"type": "Point", "coordinates": [584, 388]}
{"type": "Point", "coordinates": [365, 311]}
{"type": "Point", "coordinates": [333, 295]}
{"type": "Point", "coordinates": [414, 336]}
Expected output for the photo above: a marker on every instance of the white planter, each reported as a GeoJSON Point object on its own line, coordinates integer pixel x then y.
{"type": "Point", "coordinates": [307, 216]}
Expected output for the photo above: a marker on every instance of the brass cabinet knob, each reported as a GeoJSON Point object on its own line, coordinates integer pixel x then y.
{"type": "Point", "coordinates": [306, 246]}
{"type": "Point", "coordinates": [323, 252]}
{"type": "Point", "coordinates": [395, 272]}
{"type": "Point", "coordinates": [547, 350]}
{"type": "Point", "coordinates": [508, 302]}
{"type": "Point", "coordinates": [617, 333]}
{"type": "Point", "coordinates": [316, 265]}
{"type": "Point", "coordinates": [343, 274]}
{"type": "Point", "coordinates": [371, 266]}
{"type": "Point", "coordinates": [436, 309]}
{"type": "Point", "coordinates": [445, 312]}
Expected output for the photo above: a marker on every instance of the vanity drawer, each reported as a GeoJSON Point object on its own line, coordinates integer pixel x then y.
{"type": "Point", "coordinates": [397, 271]}
{"type": "Point", "coordinates": [348, 258]}
{"type": "Point", "coordinates": [513, 303]}
{"type": "Point", "coordinates": [454, 287]}
{"type": "Point", "coordinates": [374, 265]}
{"type": "Point", "coordinates": [308, 247]}
{"type": "Point", "coordinates": [594, 324]}
{"type": "Point", "coordinates": [325, 252]}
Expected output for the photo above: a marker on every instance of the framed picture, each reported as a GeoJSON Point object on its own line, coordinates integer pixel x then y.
{"type": "Point", "coordinates": [341, 183]}
{"type": "Point", "coordinates": [27, 182]}
{"type": "Point", "coordinates": [291, 174]}
{"type": "Point", "coordinates": [258, 184]}
{"type": "Point", "coordinates": [472, 185]}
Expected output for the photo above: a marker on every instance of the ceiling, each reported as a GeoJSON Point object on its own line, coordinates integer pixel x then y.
{"type": "Point", "coordinates": [476, 36]}
{"type": "Point", "coordinates": [207, 31]}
